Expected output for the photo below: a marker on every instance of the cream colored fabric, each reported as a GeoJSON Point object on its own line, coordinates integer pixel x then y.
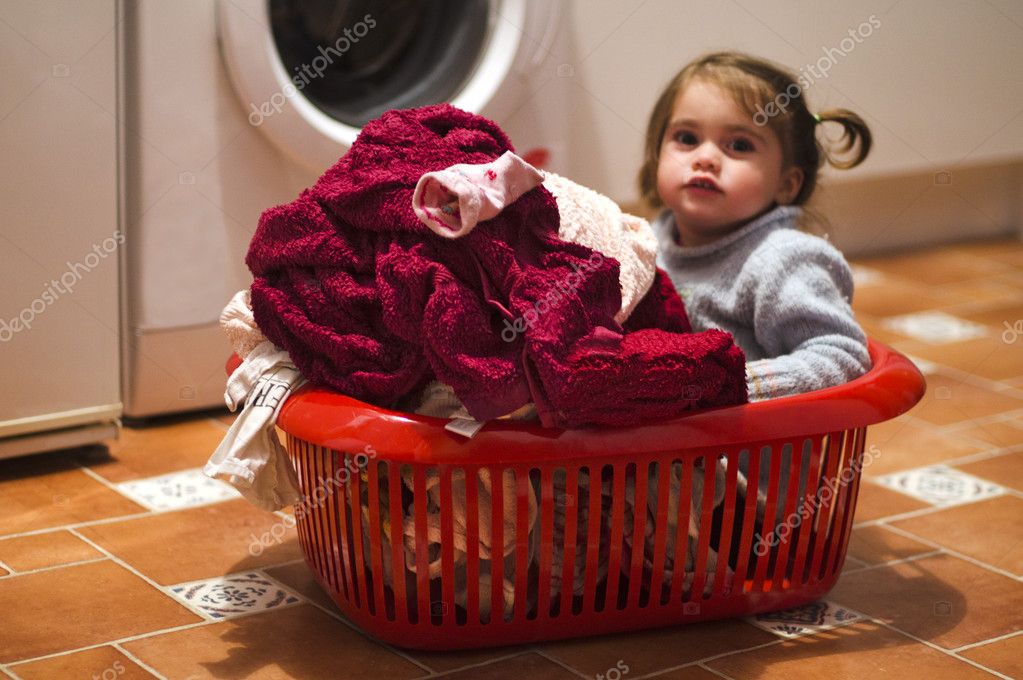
{"type": "Point", "coordinates": [595, 221]}
{"type": "Point", "coordinates": [250, 457]}
{"type": "Point", "coordinates": [239, 326]}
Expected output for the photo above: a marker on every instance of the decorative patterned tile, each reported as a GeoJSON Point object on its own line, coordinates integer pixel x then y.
{"type": "Point", "coordinates": [935, 328]}
{"type": "Point", "coordinates": [926, 367]}
{"type": "Point", "coordinates": [865, 276]}
{"type": "Point", "coordinates": [185, 489]}
{"type": "Point", "coordinates": [233, 595]}
{"type": "Point", "coordinates": [940, 485]}
{"type": "Point", "coordinates": [806, 620]}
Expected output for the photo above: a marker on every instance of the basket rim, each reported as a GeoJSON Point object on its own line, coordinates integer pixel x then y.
{"type": "Point", "coordinates": [320, 416]}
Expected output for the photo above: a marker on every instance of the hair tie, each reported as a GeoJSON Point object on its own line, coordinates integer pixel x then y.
{"type": "Point", "coordinates": [817, 117]}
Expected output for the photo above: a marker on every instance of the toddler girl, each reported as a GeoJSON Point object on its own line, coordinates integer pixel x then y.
{"type": "Point", "coordinates": [731, 154]}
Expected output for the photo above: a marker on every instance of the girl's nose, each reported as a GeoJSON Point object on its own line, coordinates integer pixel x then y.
{"type": "Point", "coordinates": [706, 157]}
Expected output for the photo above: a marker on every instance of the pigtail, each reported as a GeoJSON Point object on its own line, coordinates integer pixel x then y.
{"type": "Point", "coordinates": [856, 134]}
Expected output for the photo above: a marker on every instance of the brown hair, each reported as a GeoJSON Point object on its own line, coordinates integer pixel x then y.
{"type": "Point", "coordinates": [759, 87]}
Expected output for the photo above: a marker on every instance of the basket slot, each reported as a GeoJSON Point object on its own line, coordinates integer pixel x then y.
{"type": "Point", "coordinates": [591, 540]}
{"type": "Point", "coordinates": [571, 510]}
{"type": "Point", "coordinates": [346, 526]}
{"type": "Point", "coordinates": [397, 515]}
{"type": "Point", "coordinates": [680, 536]}
{"type": "Point", "coordinates": [662, 471]}
{"type": "Point", "coordinates": [745, 548]}
{"type": "Point", "coordinates": [439, 611]}
{"type": "Point", "coordinates": [786, 530]}
{"type": "Point", "coordinates": [325, 534]}
{"type": "Point", "coordinates": [311, 523]}
{"type": "Point", "coordinates": [548, 542]}
{"type": "Point", "coordinates": [825, 496]}
{"type": "Point", "coordinates": [298, 459]}
{"type": "Point", "coordinates": [523, 493]}
{"type": "Point", "coordinates": [297, 450]}
{"type": "Point", "coordinates": [496, 545]}
{"type": "Point", "coordinates": [353, 489]}
{"type": "Point", "coordinates": [762, 547]}
{"type": "Point", "coordinates": [422, 545]}
{"type": "Point", "coordinates": [706, 511]}
{"type": "Point", "coordinates": [861, 435]}
{"type": "Point", "coordinates": [615, 545]}
{"type": "Point", "coordinates": [808, 501]}
{"type": "Point", "coordinates": [727, 523]}
{"type": "Point", "coordinates": [375, 532]}
{"type": "Point", "coordinates": [472, 542]}
{"type": "Point", "coordinates": [642, 473]}
{"type": "Point", "coordinates": [849, 471]}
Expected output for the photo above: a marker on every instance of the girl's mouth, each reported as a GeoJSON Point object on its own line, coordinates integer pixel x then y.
{"type": "Point", "coordinates": [703, 184]}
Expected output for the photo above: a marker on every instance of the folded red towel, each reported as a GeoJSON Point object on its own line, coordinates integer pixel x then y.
{"type": "Point", "coordinates": [369, 301]}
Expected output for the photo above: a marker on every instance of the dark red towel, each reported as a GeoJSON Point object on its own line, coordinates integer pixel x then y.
{"type": "Point", "coordinates": [368, 301]}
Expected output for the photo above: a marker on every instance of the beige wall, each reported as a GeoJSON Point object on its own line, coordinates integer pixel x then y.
{"type": "Point", "coordinates": [939, 83]}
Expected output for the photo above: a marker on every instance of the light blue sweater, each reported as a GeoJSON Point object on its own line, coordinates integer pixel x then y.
{"type": "Point", "coordinates": [783, 294]}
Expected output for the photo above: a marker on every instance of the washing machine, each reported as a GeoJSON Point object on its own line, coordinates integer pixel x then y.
{"type": "Point", "coordinates": [234, 106]}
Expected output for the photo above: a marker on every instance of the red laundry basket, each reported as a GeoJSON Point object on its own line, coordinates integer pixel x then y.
{"type": "Point", "coordinates": [363, 465]}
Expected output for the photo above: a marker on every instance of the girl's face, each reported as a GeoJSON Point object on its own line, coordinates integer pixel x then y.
{"type": "Point", "coordinates": [717, 168]}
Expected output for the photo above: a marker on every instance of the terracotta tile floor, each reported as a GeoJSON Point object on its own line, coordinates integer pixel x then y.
{"type": "Point", "coordinates": [99, 545]}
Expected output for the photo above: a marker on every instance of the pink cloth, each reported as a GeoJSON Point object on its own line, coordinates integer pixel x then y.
{"type": "Point", "coordinates": [480, 192]}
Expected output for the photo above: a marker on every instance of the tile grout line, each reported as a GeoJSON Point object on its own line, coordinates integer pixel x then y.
{"type": "Point", "coordinates": [207, 621]}
{"type": "Point", "coordinates": [946, 652]}
{"type": "Point", "coordinates": [53, 567]}
{"type": "Point", "coordinates": [716, 672]}
{"type": "Point", "coordinates": [559, 662]}
{"type": "Point", "coordinates": [988, 642]}
{"type": "Point", "coordinates": [954, 553]}
{"type": "Point", "coordinates": [77, 525]}
{"type": "Point", "coordinates": [140, 662]}
{"type": "Point", "coordinates": [984, 455]}
{"type": "Point", "coordinates": [218, 424]}
{"type": "Point", "coordinates": [345, 621]}
{"type": "Point", "coordinates": [1011, 416]}
{"type": "Point", "coordinates": [909, 514]}
{"type": "Point", "coordinates": [105, 643]}
{"type": "Point", "coordinates": [892, 563]}
{"type": "Point", "coordinates": [481, 664]}
{"type": "Point", "coordinates": [133, 570]}
{"type": "Point", "coordinates": [700, 662]}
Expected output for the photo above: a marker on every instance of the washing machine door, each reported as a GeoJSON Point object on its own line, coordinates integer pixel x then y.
{"type": "Point", "coordinates": [311, 73]}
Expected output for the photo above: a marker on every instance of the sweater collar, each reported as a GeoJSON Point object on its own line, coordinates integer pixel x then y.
{"type": "Point", "coordinates": [664, 227]}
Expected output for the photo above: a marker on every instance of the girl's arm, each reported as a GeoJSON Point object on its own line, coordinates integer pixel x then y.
{"type": "Point", "coordinates": [803, 319]}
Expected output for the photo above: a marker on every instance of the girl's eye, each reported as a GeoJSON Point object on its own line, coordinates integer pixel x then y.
{"type": "Point", "coordinates": [742, 144]}
{"type": "Point", "coordinates": [686, 138]}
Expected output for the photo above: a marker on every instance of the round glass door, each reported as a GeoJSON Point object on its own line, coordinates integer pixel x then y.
{"type": "Point", "coordinates": [354, 60]}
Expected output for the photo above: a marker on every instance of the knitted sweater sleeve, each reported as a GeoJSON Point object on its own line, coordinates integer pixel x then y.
{"type": "Point", "coordinates": [802, 289]}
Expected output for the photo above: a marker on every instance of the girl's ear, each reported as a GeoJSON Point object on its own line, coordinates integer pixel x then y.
{"type": "Point", "coordinates": [790, 183]}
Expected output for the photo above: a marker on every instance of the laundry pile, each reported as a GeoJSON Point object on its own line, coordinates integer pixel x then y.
{"type": "Point", "coordinates": [370, 301]}
{"type": "Point", "coordinates": [432, 270]}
